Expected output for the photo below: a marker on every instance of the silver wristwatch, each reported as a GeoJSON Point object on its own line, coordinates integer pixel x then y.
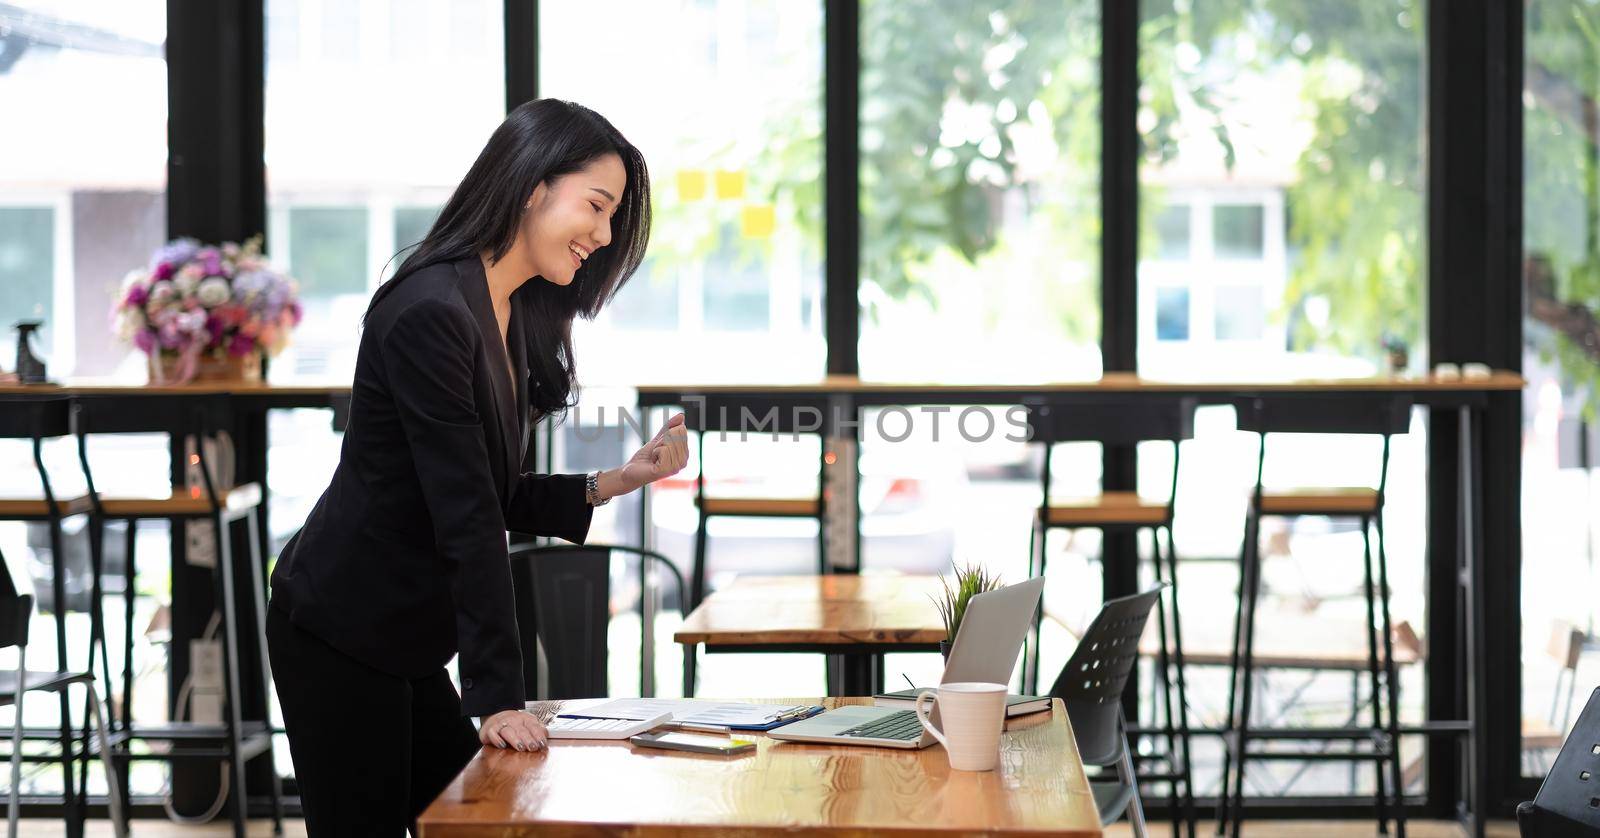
{"type": "Point", "coordinates": [591, 489]}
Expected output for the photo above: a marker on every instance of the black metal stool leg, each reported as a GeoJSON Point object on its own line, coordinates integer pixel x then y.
{"type": "Point", "coordinates": [258, 604]}
{"type": "Point", "coordinates": [1391, 678]}
{"type": "Point", "coordinates": [1380, 794]}
{"type": "Point", "coordinates": [1184, 733]}
{"type": "Point", "coordinates": [1038, 537]}
{"type": "Point", "coordinates": [1230, 737]}
{"type": "Point", "coordinates": [1247, 671]}
{"type": "Point", "coordinates": [129, 577]}
{"type": "Point", "coordinates": [233, 717]}
{"type": "Point", "coordinates": [1164, 683]}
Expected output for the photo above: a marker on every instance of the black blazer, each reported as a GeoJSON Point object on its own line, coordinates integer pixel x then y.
{"type": "Point", "coordinates": [402, 562]}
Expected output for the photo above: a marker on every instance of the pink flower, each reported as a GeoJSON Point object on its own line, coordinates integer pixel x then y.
{"type": "Point", "coordinates": [137, 295]}
{"type": "Point", "coordinates": [240, 345]}
{"type": "Point", "coordinates": [145, 340]}
{"type": "Point", "coordinates": [164, 270]}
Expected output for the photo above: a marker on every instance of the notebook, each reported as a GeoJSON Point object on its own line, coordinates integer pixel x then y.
{"type": "Point", "coordinates": [1016, 705]}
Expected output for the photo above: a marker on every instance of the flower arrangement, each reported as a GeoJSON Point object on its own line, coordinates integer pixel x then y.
{"type": "Point", "coordinates": [200, 303]}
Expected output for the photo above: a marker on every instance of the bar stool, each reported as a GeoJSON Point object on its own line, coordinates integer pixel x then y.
{"type": "Point", "coordinates": [759, 415]}
{"type": "Point", "coordinates": [1378, 414]}
{"type": "Point", "coordinates": [1124, 422]}
{"type": "Point", "coordinates": [37, 419]}
{"type": "Point", "coordinates": [235, 740]}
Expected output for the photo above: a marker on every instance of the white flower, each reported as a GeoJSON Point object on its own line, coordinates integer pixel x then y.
{"type": "Point", "coordinates": [213, 292]}
{"type": "Point", "coordinates": [134, 277]}
{"type": "Point", "coordinates": [188, 279]}
{"type": "Point", "coordinates": [160, 291]}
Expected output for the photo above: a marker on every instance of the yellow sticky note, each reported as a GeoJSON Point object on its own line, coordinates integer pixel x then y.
{"type": "Point", "coordinates": [730, 185]}
{"type": "Point", "coordinates": [691, 185]}
{"type": "Point", "coordinates": [757, 221]}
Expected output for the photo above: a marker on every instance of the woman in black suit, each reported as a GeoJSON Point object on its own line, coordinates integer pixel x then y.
{"type": "Point", "coordinates": [403, 563]}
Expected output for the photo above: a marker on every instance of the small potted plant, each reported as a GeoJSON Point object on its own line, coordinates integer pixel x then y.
{"type": "Point", "coordinates": [970, 581]}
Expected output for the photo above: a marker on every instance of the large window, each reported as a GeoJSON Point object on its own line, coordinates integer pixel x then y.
{"type": "Point", "coordinates": [980, 178]}
{"type": "Point", "coordinates": [1283, 233]}
{"type": "Point", "coordinates": [731, 289]}
{"type": "Point", "coordinates": [82, 201]}
{"type": "Point", "coordinates": [1561, 360]}
{"type": "Point", "coordinates": [373, 114]}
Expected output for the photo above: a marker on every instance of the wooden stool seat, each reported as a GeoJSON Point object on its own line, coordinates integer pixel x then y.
{"type": "Point", "coordinates": [1358, 500]}
{"type": "Point", "coordinates": [1105, 508]}
{"type": "Point", "coordinates": [182, 502]}
{"type": "Point", "coordinates": [18, 508]}
{"type": "Point", "coordinates": [767, 507]}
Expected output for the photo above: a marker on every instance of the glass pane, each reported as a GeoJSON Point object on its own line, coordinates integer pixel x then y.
{"type": "Point", "coordinates": [1239, 313]}
{"type": "Point", "coordinates": [1172, 314]}
{"type": "Point", "coordinates": [731, 287]}
{"type": "Point", "coordinates": [1561, 360]}
{"type": "Point", "coordinates": [79, 207]}
{"type": "Point", "coordinates": [411, 224]}
{"type": "Point", "coordinates": [1172, 232]}
{"type": "Point", "coordinates": [347, 185]}
{"type": "Point", "coordinates": [27, 264]}
{"type": "Point", "coordinates": [329, 256]}
{"type": "Point", "coordinates": [83, 179]}
{"type": "Point", "coordinates": [1238, 231]}
{"type": "Point", "coordinates": [1293, 131]}
{"type": "Point", "coordinates": [980, 164]}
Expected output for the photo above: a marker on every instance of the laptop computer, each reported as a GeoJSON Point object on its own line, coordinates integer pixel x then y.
{"type": "Point", "coordinates": [986, 650]}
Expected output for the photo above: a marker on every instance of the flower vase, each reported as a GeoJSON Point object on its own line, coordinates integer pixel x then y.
{"type": "Point", "coordinates": [168, 368]}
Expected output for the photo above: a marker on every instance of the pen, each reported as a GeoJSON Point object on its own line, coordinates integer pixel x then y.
{"type": "Point", "coordinates": [698, 726]}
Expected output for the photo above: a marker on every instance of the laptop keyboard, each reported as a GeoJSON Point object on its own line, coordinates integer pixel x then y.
{"type": "Point", "coordinates": [901, 725]}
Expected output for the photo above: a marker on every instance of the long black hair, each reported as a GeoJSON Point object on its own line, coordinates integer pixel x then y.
{"type": "Point", "coordinates": [539, 142]}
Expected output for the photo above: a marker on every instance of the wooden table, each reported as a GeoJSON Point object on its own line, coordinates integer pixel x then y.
{"type": "Point", "coordinates": [856, 618]}
{"type": "Point", "coordinates": [613, 788]}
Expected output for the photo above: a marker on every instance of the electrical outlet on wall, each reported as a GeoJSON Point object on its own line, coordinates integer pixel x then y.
{"type": "Point", "coordinates": [205, 681]}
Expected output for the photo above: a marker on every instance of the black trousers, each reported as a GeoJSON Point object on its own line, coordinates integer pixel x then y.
{"type": "Point", "coordinates": [371, 750]}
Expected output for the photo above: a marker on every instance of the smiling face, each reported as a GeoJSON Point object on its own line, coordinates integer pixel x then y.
{"type": "Point", "coordinates": [569, 218]}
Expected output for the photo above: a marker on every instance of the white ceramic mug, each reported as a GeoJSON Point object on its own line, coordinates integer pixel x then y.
{"type": "Point", "coordinates": [972, 715]}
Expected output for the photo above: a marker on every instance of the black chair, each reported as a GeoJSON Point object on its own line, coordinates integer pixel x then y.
{"type": "Point", "coordinates": [568, 610]}
{"type": "Point", "coordinates": [732, 415]}
{"type": "Point", "coordinates": [1125, 422]}
{"type": "Point", "coordinates": [1568, 802]}
{"type": "Point", "coordinates": [1380, 414]}
{"type": "Point", "coordinates": [1091, 686]}
{"type": "Point", "coordinates": [235, 740]}
{"type": "Point", "coordinates": [37, 419]}
{"type": "Point", "coordinates": [15, 611]}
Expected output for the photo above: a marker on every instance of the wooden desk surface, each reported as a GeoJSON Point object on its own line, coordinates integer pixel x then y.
{"type": "Point", "coordinates": [1114, 383]}
{"type": "Point", "coordinates": [613, 788]}
{"type": "Point", "coordinates": [100, 387]}
{"type": "Point", "coordinates": [798, 610]}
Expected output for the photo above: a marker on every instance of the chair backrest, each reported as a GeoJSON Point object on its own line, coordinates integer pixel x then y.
{"type": "Point", "coordinates": [564, 603]}
{"type": "Point", "coordinates": [340, 402]}
{"type": "Point", "coordinates": [1092, 682]}
{"type": "Point", "coordinates": [569, 610]}
{"type": "Point", "coordinates": [1111, 421]}
{"type": "Point", "coordinates": [30, 417]}
{"type": "Point", "coordinates": [1568, 802]}
{"type": "Point", "coordinates": [1311, 413]}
